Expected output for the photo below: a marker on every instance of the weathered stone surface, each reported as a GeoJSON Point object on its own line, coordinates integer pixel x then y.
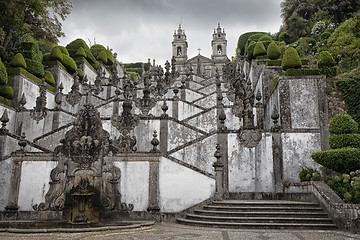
{"type": "Point", "coordinates": [208, 89]}
{"type": "Point", "coordinates": [207, 102]}
{"type": "Point", "coordinates": [180, 135]}
{"type": "Point", "coordinates": [181, 188]}
{"type": "Point", "coordinates": [194, 85]}
{"type": "Point", "coordinates": [206, 121]}
{"type": "Point", "coordinates": [52, 141]}
{"type": "Point", "coordinates": [192, 96]}
{"type": "Point", "coordinates": [186, 110]}
{"type": "Point", "coordinates": [5, 178]}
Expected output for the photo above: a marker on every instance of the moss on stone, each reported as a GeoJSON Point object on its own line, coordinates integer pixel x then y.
{"type": "Point", "coordinates": [18, 61]}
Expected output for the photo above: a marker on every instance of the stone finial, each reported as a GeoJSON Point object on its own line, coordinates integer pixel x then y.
{"type": "Point", "coordinates": [22, 142]}
{"type": "Point", "coordinates": [176, 91]}
{"type": "Point", "coordinates": [164, 108]}
{"type": "Point", "coordinates": [218, 154]}
{"type": "Point", "coordinates": [222, 118]}
{"type": "Point", "coordinates": [218, 165]}
{"type": "Point", "coordinates": [58, 96]}
{"type": "Point", "coordinates": [155, 142]}
{"type": "Point", "coordinates": [258, 95]}
{"type": "Point", "coordinates": [4, 119]}
{"type": "Point", "coordinates": [22, 102]}
{"type": "Point", "coordinates": [275, 117]}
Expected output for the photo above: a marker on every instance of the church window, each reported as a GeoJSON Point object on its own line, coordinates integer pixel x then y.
{"type": "Point", "coordinates": [219, 35]}
{"type": "Point", "coordinates": [178, 51]}
{"type": "Point", "coordinates": [219, 49]}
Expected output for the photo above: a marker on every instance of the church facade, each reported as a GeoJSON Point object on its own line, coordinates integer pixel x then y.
{"type": "Point", "coordinates": [201, 65]}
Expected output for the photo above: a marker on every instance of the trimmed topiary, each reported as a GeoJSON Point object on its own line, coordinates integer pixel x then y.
{"type": "Point", "coordinates": [291, 59]}
{"type": "Point", "coordinates": [56, 54]}
{"type": "Point", "coordinates": [273, 51]}
{"type": "Point", "coordinates": [49, 78]}
{"type": "Point", "coordinates": [259, 49]}
{"type": "Point", "coordinates": [250, 50]}
{"type": "Point", "coordinates": [345, 140]}
{"type": "Point", "coordinates": [75, 45]}
{"type": "Point", "coordinates": [325, 60]}
{"type": "Point", "coordinates": [96, 49]}
{"type": "Point", "coordinates": [35, 67]}
{"type": "Point", "coordinates": [274, 62]}
{"type": "Point", "coordinates": [7, 92]}
{"type": "Point", "coordinates": [18, 61]}
{"type": "Point", "coordinates": [80, 52]}
{"type": "Point", "coordinates": [284, 36]}
{"type": "Point", "coordinates": [102, 57]}
{"type": "Point", "coordinates": [343, 160]}
{"type": "Point", "coordinates": [96, 64]}
{"type": "Point", "coordinates": [243, 40]}
{"type": "Point", "coordinates": [90, 57]}
{"type": "Point", "coordinates": [3, 74]}
{"type": "Point", "coordinates": [69, 64]}
{"type": "Point", "coordinates": [63, 50]}
{"type": "Point", "coordinates": [46, 57]}
{"type": "Point", "coordinates": [30, 50]}
{"type": "Point", "coordinates": [110, 57]}
{"type": "Point", "coordinates": [301, 71]}
{"type": "Point", "coordinates": [343, 123]}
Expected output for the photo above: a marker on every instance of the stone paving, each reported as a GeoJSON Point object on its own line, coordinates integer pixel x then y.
{"type": "Point", "coordinates": [172, 231]}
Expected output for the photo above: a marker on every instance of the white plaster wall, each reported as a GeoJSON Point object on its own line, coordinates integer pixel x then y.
{"type": "Point", "coordinates": [232, 122]}
{"type": "Point", "coordinates": [11, 114]}
{"type": "Point", "coordinates": [33, 129]}
{"type": "Point", "coordinates": [297, 150]}
{"type": "Point", "coordinates": [194, 86]}
{"type": "Point", "coordinates": [191, 96]}
{"type": "Point", "coordinates": [181, 187]}
{"type": "Point", "coordinates": [179, 135]}
{"type": "Point", "coordinates": [304, 105]}
{"type": "Point", "coordinates": [144, 134]}
{"type": "Point", "coordinates": [30, 90]}
{"type": "Point", "coordinates": [207, 102]}
{"type": "Point", "coordinates": [34, 183]}
{"type": "Point", "coordinates": [66, 79]}
{"type": "Point", "coordinates": [206, 121]}
{"type": "Point", "coordinates": [106, 110]}
{"type": "Point", "coordinates": [91, 75]}
{"type": "Point", "coordinates": [264, 166]}
{"type": "Point", "coordinates": [186, 110]}
{"type": "Point", "coordinates": [134, 184]}
{"type": "Point", "coordinates": [5, 179]}
{"type": "Point", "coordinates": [208, 89]}
{"type": "Point", "coordinates": [157, 112]}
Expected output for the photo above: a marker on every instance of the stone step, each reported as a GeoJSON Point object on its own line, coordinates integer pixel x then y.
{"type": "Point", "coordinates": [274, 203]}
{"type": "Point", "coordinates": [322, 220]}
{"type": "Point", "coordinates": [264, 214]}
{"type": "Point", "coordinates": [267, 225]}
{"type": "Point", "coordinates": [262, 208]}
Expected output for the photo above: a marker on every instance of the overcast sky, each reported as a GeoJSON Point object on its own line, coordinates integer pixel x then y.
{"type": "Point", "coordinates": [140, 29]}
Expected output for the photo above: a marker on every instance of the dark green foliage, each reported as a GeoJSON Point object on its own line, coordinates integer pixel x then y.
{"type": "Point", "coordinates": [90, 57]}
{"type": "Point", "coordinates": [346, 186]}
{"type": "Point", "coordinates": [6, 101]}
{"type": "Point", "coordinates": [301, 71]}
{"type": "Point", "coordinates": [46, 57]}
{"type": "Point", "coordinates": [49, 78]}
{"type": "Point", "coordinates": [35, 67]}
{"type": "Point", "coordinates": [291, 59]}
{"type": "Point", "coordinates": [102, 57]}
{"type": "Point", "coordinates": [19, 70]}
{"type": "Point", "coordinates": [342, 160]}
{"type": "Point", "coordinates": [136, 70]}
{"type": "Point", "coordinates": [69, 64]}
{"type": "Point", "coordinates": [274, 62]}
{"type": "Point", "coordinates": [250, 50]}
{"type": "Point", "coordinates": [262, 57]}
{"type": "Point", "coordinates": [96, 64]}
{"type": "Point", "coordinates": [242, 41]}
{"type": "Point", "coordinates": [75, 45]}
{"type": "Point", "coordinates": [325, 60]}
{"type": "Point", "coordinates": [273, 51]}
{"type": "Point", "coordinates": [18, 61]}
{"type": "Point", "coordinates": [96, 49]}
{"type": "Point", "coordinates": [274, 83]}
{"type": "Point", "coordinates": [80, 52]}
{"type": "Point", "coordinates": [343, 123]}
{"type": "Point", "coordinates": [284, 36]}
{"type": "Point", "coordinates": [345, 140]}
{"type": "Point", "coordinates": [325, 35]}
{"type": "Point", "coordinates": [63, 50]}
{"type": "Point", "coordinates": [259, 49]}
{"type": "Point", "coordinates": [3, 74]}
{"type": "Point", "coordinates": [81, 73]}
{"type": "Point", "coordinates": [329, 71]}
{"type": "Point", "coordinates": [56, 54]}
{"type": "Point", "coordinates": [305, 61]}
{"type": "Point", "coordinates": [350, 90]}
{"type": "Point", "coordinates": [309, 174]}
{"type": "Point", "coordinates": [7, 92]}
{"type": "Point", "coordinates": [110, 57]}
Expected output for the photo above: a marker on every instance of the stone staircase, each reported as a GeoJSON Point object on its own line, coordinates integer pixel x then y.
{"type": "Point", "coordinates": [260, 214]}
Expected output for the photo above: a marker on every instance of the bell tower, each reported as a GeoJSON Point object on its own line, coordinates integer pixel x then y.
{"type": "Point", "coordinates": [218, 45]}
{"type": "Point", "coordinates": [179, 46]}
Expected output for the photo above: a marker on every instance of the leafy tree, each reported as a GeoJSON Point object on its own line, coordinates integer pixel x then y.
{"type": "Point", "coordinates": [36, 20]}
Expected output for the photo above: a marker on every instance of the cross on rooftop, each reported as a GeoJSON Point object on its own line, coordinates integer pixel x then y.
{"type": "Point", "coordinates": [199, 49]}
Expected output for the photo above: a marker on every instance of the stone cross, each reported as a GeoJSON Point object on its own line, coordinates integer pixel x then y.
{"type": "Point", "coordinates": [199, 49]}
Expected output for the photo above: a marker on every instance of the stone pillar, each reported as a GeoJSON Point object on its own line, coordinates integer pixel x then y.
{"type": "Point", "coordinates": [175, 104]}
{"type": "Point", "coordinates": [164, 131]}
{"type": "Point", "coordinates": [154, 185]}
{"type": "Point", "coordinates": [284, 100]}
{"type": "Point", "coordinates": [277, 161]}
{"type": "Point", "coordinates": [218, 166]}
{"type": "Point", "coordinates": [15, 182]}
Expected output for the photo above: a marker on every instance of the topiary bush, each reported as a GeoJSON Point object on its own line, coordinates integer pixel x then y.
{"type": "Point", "coordinates": [250, 50]}
{"type": "Point", "coordinates": [49, 78]}
{"type": "Point", "coordinates": [243, 41]}
{"type": "Point", "coordinates": [90, 57]}
{"type": "Point", "coordinates": [274, 62]}
{"type": "Point", "coordinates": [80, 53]}
{"type": "Point", "coordinates": [259, 49]}
{"type": "Point", "coordinates": [284, 36]}
{"type": "Point", "coordinates": [18, 61]}
{"type": "Point", "coordinates": [325, 60]}
{"type": "Point", "coordinates": [291, 59]}
{"type": "Point", "coordinates": [96, 49]}
{"type": "Point", "coordinates": [33, 58]}
{"type": "Point", "coordinates": [301, 72]}
{"type": "Point", "coordinates": [110, 57]}
{"type": "Point", "coordinates": [56, 54]}
{"type": "Point", "coordinates": [73, 46]}
{"type": "Point", "coordinates": [35, 67]}
{"type": "Point", "coordinates": [3, 74]}
{"type": "Point", "coordinates": [7, 92]}
{"type": "Point", "coordinates": [345, 140]}
{"type": "Point", "coordinates": [102, 57]}
{"type": "Point", "coordinates": [63, 50]}
{"type": "Point", "coordinates": [342, 124]}
{"type": "Point", "coordinates": [273, 51]}
{"type": "Point", "coordinates": [69, 64]}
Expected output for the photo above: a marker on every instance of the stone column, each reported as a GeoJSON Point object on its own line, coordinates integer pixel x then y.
{"type": "Point", "coordinates": [218, 166]}
{"type": "Point", "coordinates": [277, 161]}
{"type": "Point", "coordinates": [284, 100]}
{"type": "Point", "coordinates": [15, 182]}
{"type": "Point", "coordinates": [175, 104]}
{"type": "Point", "coordinates": [164, 129]}
{"type": "Point", "coordinates": [154, 184]}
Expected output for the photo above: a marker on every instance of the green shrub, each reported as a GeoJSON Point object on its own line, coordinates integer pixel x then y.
{"type": "Point", "coordinates": [80, 53]}
{"type": "Point", "coordinates": [274, 62]}
{"type": "Point", "coordinates": [291, 59]}
{"type": "Point", "coordinates": [102, 57]}
{"type": "Point", "coordinates": [69, 63]}
{"type": "Point", "coordinates": [30, 50]}
{"type": "Point", "coordinates": [309, 174]}
{"type": "Point", "coordinates": [6, 101]}
{"type": "Point", "coordinates": [325, 60]}
{"type": "Point", "coordinates": [63, 50]}
{"type": "Point", "coordinates": [305, 61]}
{"type": "Point", "coordinates": [343, 123]}
{"type": "Point", "coordinates": [81, 73]}
{"type": "Point", "coordinates": [284, 36]}
{"type": "Point", "coordinates": [110, 57]}
{"type": "Point", "coordinates": [274, 83]}
{"type": "Point", "coordinates": [345, 140]}
{"type": "Point", "coordinates": [259, 49]}
{"type": "Point", "coordinates": [3, 74]}
{"type": "Point", "coordinates": [46, 57]}
{"type": "Point", "coordinates": [90, 57]}
{"type": "Point", "coordinates": [96, 64]}
{"type": "Point", "coordinates": [325, 35]}
{"type": "Point", "coordinates": [346, 186]}
{"type": "Point", "coordinates": [301, 71]}
{"type": "Point", "coordinates": [18, 61]}
{"type": "Point", "coordinates": [250, 50]}
{"type": "Point", "coordinates": [342, 160]}
{"type": "Point", "coordinates": [262, 57]}
{"type": "Point", "coordinates": [7, 92]}
{"type": "Point", "coordinates": [243, 40]}
{"type": "Point", "coordinates": [49, 78]}
{"type": "Point", "coordinates": [56, 54]}
{"type": "Point", "coordinates": [96, 49]}
{"type": "Point", "coordinates": [75, 45]}
{"type": "Point", "coordinates": [273, 51]}
{"type": "Point", "coordinates": [35, 67]}
{"type": "Point", "coordinates": [329, 71]}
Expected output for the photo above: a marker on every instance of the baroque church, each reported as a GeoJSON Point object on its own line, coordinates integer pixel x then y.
{"type": "Point", "coordinates": [201, 65]}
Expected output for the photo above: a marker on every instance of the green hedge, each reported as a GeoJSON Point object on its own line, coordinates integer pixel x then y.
{"type": "Point", "coordinates": [273, 62]}
{"type": "Point", "coordinates": [273, 51]}
{"type": "Point", "coordinates": [243, 39]}
{"type": "Point", "coordinates": [259, 49]}
{"type": "Point", "coordinates": [110, 57]}
{"type": "Point", "coordinates": [96, 49]}
{"type": "Point", "coordinates": [7, 92]}
{"type": "Point", "coordinates": [56, 54]}
{"type": "Point", "coordinates": [30, 50]}
{"type": "Point", "coordinates": [301, 72]}
{"type": "Point", "coordinates": [55, 63]}
{"type": "Point", "coordinates": [325, 60]}
{"type": "Point", "coordinates": [49, 78]}
{"type": "Point", "coordinates": [345, 140]}
{"type": "Point", "coordinates": [250, 50]}
{"type": "Point", "coordinates": [329, 71]}
{"type": "Point", "coordinates": [90, 57]}
{"type": "Point", "coordinates": [291, 59]}
{"type": "Point", "coordinates": [344, 160]}
{"type": "Point", "coordinates": [3, 74]}
{"type": "Point", "coordinates": [19, 70]}
{"type": "Point", "coordinates": [305, 61]}
{"type": "Point", "coordinates": [80, 52]}
{"type": "Point", "coordinates": [35, 67]}
{"type": "Point", "coordinates": [69, 64]}
{"type": "Point", "coordinates": [102, 57]}
{"type": "Point", "coordinates": [18, 61]}
{"type": "Point", "coordinates": [343, 123]}
{"type": "Point", "coordinates": [63, 50]}
{"type": "Point", "coordinates": [7, 102]}
{"type": "Point", "coordinates": [73, 46]}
